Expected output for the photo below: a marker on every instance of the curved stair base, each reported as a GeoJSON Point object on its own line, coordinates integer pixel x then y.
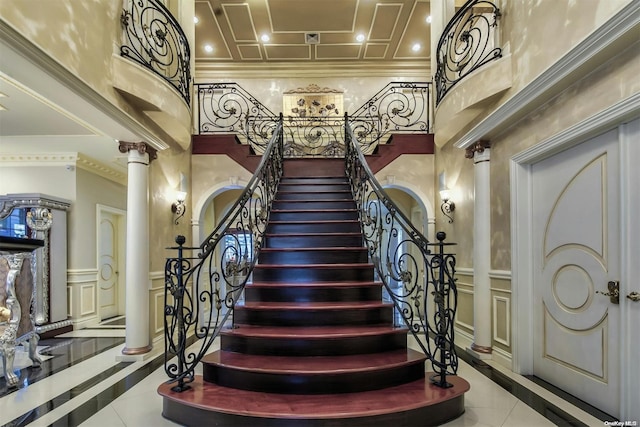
{"type": "Point", "coordinates": [411, 404]}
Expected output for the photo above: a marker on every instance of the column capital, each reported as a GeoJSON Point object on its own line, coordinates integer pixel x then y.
{"type": "Point", "coordinates": [140, 147]}
{"type": "Point", "coordinates": [477, 147]}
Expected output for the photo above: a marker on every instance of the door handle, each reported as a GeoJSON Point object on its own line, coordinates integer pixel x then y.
{"type": "Point", "coordinates": [634, 296]}
{"type": "Point", "coordinates": [613, 292]}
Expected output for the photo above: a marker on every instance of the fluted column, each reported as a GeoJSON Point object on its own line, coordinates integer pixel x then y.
{"type": "Point", "coordinates": [137, 340]}
{"type": "Point", "coordinates": [480, 153]}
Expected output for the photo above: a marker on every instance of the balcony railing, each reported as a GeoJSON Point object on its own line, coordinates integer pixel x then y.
{"type": "Point", "coordinates": [153, 38]}
{"type": "Point", "coordinates": [468, 42]}
{"type": "Point", "coordinates": [400, 107]}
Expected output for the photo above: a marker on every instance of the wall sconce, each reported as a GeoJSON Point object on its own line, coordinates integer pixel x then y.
{"type": "Point", "coordinates": [178, 207]}
{"type": "Point", "coordinates": [447, 206]}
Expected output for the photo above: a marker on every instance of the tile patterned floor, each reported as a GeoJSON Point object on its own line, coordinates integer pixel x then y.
{"type": "Point", "coordinates": [83, 384]}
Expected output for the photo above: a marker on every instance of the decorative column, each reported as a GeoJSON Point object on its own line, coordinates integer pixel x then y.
{"type": "Point", "coordinates": [137, 339]}
{"type": "Point", "coordinates": [39, 221]}
{"type": "Point", "coordinates": [480, 153]}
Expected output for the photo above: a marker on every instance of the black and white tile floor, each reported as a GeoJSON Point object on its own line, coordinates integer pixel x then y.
{"type": "Point", "coordinates": [82, 384]}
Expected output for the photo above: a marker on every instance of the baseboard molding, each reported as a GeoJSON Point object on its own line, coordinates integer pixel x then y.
{"type": "Point", "coordinates": [86, 322]}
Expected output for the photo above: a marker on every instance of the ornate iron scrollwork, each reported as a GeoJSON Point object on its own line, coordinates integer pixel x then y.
{"type": "Point", "coordinates": [154, 39]}
{"type": "Point", "coordinates": [467, 43]}
{"type": "Point", "coordinates": [418, 276]}
{"type": "Point", "coordinates": [201, 291]}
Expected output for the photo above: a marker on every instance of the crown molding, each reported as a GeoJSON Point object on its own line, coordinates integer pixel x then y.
{"type": "Point", "coordinates": [411, 69]}
{"type": "Point", "coordinates": [64, 159]}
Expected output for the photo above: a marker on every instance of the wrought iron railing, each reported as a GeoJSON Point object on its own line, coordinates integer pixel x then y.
{"type": "Point", "coordinates": [467, 43]}
{"type": "Point", "coordinates": [398, 107]}
{"type": "Point", "coordinates": [228, 108]}
{"type": "Point", "coordinates": [418, 276]}
{"type": "Point", "coordinates": [201, 291]}
{"type": "Point", "coordinates": [153, 38]}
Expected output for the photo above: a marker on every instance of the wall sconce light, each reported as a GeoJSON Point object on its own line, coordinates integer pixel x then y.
{"type": "Point", "coordinates": [178, 207]}
{"type": "Point", "coordinates": [447, 207]}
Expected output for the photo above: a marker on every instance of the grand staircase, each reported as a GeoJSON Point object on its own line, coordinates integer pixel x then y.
{"type": "Point", "coordinates": [313, 343]}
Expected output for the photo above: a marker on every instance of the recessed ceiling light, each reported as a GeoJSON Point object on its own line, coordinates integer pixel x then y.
{"type": "Point", "coordinates": [428, 19]}
{"type": "Point", "coordinates": [208, 48]}
{"type": "Point", "coordinates": [360, 38]}
{"type": "Point", "coordinates": [195, 20]}
{"type": "Point", "coordinates": [265, 38]}
{"type": "Point", "coordinates": [416, 47]}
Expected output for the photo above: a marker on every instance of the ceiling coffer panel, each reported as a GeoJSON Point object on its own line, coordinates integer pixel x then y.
{"type": "Point", "coordinates": [288, 52]}
{"type": "Point", "coordinates": [375, 50]}
{"type": "Point", "coordinates": [416, 31]}
{"type": "Point", "coordinates": [250, 52]}
{"type": "Point", "coordinates": [240, 22]}
{"type": "Point", "coordinates": [208, 32]}
{"type": "Point", "coordinates": [385, 21]}
{"type": "Point", "coordinates": [312, 16]}
{"type": "Point", "coordinates": [338, 51]}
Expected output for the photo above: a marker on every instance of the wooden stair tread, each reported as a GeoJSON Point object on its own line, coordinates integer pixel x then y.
{"type": "Point", "coordinates": [311, 332]}
{"type": "Point", "coordinates": [339, 233]}
{"type": "Point", "coordinates": [405, 397]}
{"type": "Point", "coordinates": [342, 305]}
{"type": "Point", "coordinates": [315, 221]}
{"type": "Point", "coordinates": [311, 266]}
{"type": "Point", "coordinates": [328, 249]}
{"type": "Point", "coordinates": [314, 364]}
{"type": "Point", "coordinates": [312, 210]}
{"type": "Point", "coordinates": [312, 284]}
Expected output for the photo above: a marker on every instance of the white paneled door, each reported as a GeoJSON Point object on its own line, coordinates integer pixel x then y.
{"type": "Point", "coordinates": [108, 266]}
{"type": "Point", "coordinates": [576, 253]}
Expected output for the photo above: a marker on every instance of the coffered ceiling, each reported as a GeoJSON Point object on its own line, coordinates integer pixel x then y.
{"type": "Point", "coordinates": [323, 35]}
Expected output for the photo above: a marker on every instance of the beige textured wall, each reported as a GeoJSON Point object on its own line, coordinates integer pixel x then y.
{"type": "Point", "coordinates": [82, 36]}
{"type": "Point", "coordinates": [92, 190]}
{"type": "Point", "coordinates": [164, 180]}
{"type": "Point", "coordinates": [540, 32]}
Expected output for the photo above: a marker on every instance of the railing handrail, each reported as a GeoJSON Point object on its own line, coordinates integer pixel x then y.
{"type": "Point", "coordinates": [398, 107]}
{"type": "Point", "coordinates": [192, 282]}
{"type": "Point", "coordinates": [162, 47]}
{"type": "Point", "coordinates": [460, 30]}
{"type": "Point", "coordinates": [398, 264]}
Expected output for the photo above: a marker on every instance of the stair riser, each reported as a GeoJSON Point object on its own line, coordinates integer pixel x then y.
{"type": "Point", "coordinates": [311, 188]}
{"type": "Point", "coordinates": [313, 195]}
{"type": "Point", "coordinates": [314, 257]}
{"type": "Point", "coordinates": [308, 275]}
{"type": "Point", "coordinates": [314, 227]}
{"type": "Point", "coordinates": [314, 215]}
{"type": "Point", "coordinates": [302, 346]}
{"type": "Point", "coordinates": [314, 204]}
{"type": "Point", "coordinates": [299, 383]}
{"type": "Point", "coordinates": [309, 294]}
{"type": "Point", "coordinates": [306, 181]}
{"type": "Point", "coordinates": [268, 317]}
{"type": "Point", "coordinates": [313, 241]}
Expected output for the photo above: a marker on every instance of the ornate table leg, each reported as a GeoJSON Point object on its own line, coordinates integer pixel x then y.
{"type": "Point", "coordinates": [8, 339]}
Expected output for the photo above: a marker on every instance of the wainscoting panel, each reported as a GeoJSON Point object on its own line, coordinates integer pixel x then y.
{"type": "Point", "coordinates": [464, 316]}
{"type": "Point", "coordinates": [156, 303]}
{"type": "Point", "coordinates": [82, 285]}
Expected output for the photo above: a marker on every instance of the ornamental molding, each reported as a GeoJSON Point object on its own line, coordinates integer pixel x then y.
{"type": "Point", "coordinates": [140, 147]}
{"type": "Point", "coordinates": [65, 159]}
{"type": "Point", "coordinates": [312, 88]}
{"type": "Point", "coordinates": [477, 147]}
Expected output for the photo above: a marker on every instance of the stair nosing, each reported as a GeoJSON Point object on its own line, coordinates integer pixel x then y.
{"type": "Point", "coordinates": [281, 366]}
